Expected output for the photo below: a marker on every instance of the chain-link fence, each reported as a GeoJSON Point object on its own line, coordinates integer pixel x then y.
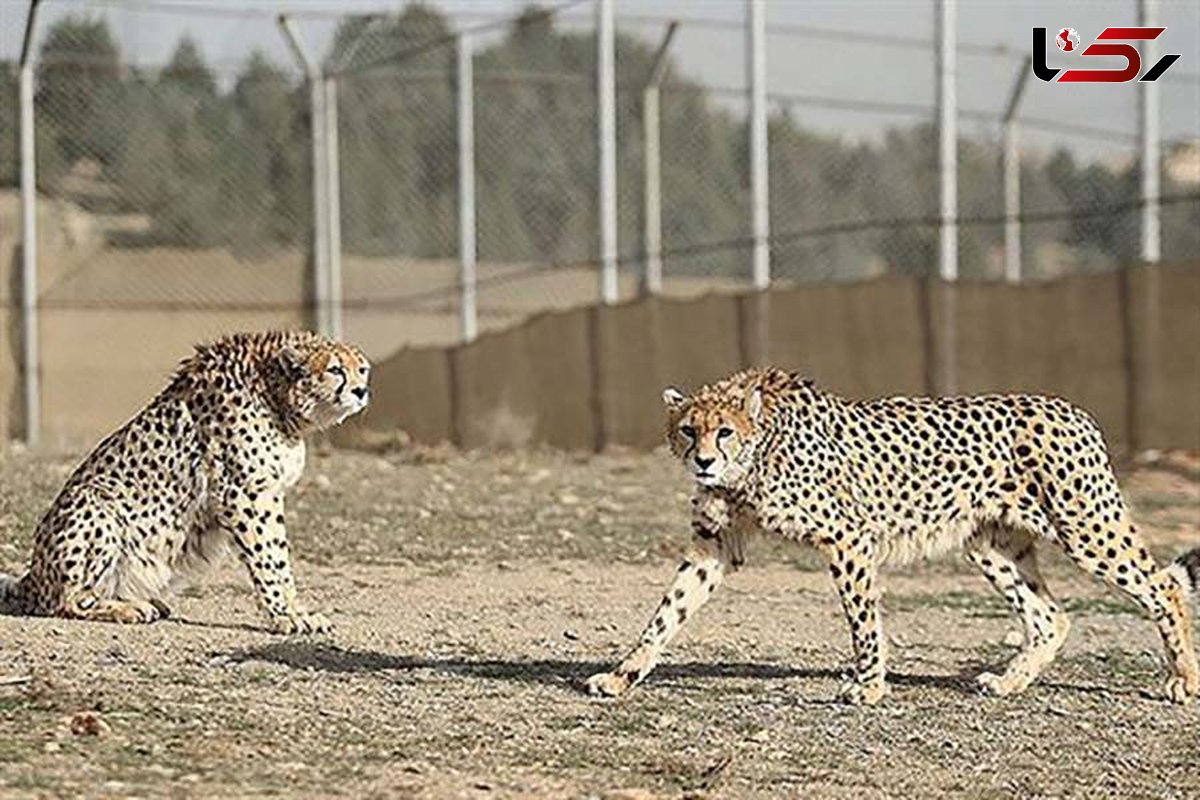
{"type": "Point", "coordinates": [175, 169]}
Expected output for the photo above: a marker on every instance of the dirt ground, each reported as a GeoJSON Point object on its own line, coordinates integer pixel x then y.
{"type": "Point", "coordinates": [472, 594]}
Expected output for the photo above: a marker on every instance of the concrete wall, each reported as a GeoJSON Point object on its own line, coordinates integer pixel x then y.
{"type": "Point", "coordinates": [1124, 345]}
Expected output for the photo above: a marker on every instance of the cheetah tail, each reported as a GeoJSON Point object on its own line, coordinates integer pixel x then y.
{"type": "Point", "coordinates": [1186, 570]}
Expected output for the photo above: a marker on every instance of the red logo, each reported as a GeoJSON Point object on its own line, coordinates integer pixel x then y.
{"type": "Point", "coordinates": [1067, 40]}
{"type": "Point", "coordinates": [1111, 42]}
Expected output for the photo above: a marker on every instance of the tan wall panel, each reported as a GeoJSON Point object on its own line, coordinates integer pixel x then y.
{"type": "Point", "coordinates": [647, 345]}
{"type": "Point", "coordinates": [1165, 315]}
{"type": "Point", "coordinates": [558, 351]}
{"type": "Point", "coordinates": [1064, 338]}
{"type": "Point", "coordinates": [10, 378]}
{"type": "Point", "coordinates": [577, 378]}
{"type": "Point", "coordinates": [526, 385]}
{"type": "Point", "coordinates": [409, 392]}
{"type": "Point", "coordinates": [630, 368]}
{"type": "Point", "coordinates": [100, 367]}
{"type": "Point", "coordinates": [859, 340]}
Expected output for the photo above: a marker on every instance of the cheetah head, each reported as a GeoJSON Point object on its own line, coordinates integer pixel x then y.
{"type": "Point", "coordinates": [325, 384]}
{"type": "Point", "coordinates": [715, 434]}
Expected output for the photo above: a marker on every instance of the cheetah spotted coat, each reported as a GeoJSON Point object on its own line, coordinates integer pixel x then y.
{"type": "Point", "coordinates": [902, 478]}
{"type": "Point", "coordinates": [204, 465]}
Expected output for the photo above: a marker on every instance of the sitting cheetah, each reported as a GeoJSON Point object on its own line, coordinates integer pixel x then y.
{"type": "Point", "coordinates": [206, 463]}
{"type": "Point", "coordinates": [903, 478]}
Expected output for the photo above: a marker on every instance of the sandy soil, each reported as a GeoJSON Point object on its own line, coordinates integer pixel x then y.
{"type": "Point", "coordinates": [473, 594]}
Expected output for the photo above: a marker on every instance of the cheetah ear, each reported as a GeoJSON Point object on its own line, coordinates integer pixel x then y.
{"type": "Point", "coordinates": [292, 362]}
{"type": "Point", "coordinates": [673, 398]}
{"type": "Point", "coordinates": [754, 404]}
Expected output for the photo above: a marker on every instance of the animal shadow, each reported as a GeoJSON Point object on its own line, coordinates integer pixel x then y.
{"type": "Point", "coordinates": [309, 655]}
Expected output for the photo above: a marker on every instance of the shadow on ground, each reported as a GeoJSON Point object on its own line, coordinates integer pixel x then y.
{"type": "Point", "coordinates": [556, 672]}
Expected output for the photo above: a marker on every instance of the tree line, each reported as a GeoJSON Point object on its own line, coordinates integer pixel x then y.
{"type": "Point", "coordinates": [225, 162]}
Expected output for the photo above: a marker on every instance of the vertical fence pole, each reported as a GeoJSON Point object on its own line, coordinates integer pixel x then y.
{"type": "Point", "coordinates": [320, 200]}
{"type": "Point", "coordinates": [652, 166]}
{"type": "Point", "coordinates": [466, 187]}
{"type": "Point", "coordinates": [320, 192]}
{"type": "Point", "coordinates": [1012, 202]}
{"type": "Point", "coordinates": [1012, 178]}
{"type": "Point", "coordinates": [606, 91]}
{"type": "Point", "coordinates": [333, 202]}
{"type": "Point", "coordinates": [651, 192]}
{"type": "Point", "coordinates": [29, 284]}
{"type": "Point", "coordinates": [756, 54]}
{"type": "Point", "coordinates": [1151, 157]}
{"type": "Point", "coordinates": [947, 104]}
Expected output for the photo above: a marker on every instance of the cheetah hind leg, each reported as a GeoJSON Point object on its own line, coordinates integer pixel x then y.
{"type": "Point", "coordinates": [1008, 559]}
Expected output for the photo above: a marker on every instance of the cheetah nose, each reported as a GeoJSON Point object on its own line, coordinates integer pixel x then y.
{"type": "Point", "coordinates": [704, 463]}
{"type": "Point", "coordinates": [360, 392]}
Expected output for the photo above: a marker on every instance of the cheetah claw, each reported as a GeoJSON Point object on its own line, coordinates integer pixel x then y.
{"type": "Point", "coordinates": [1178, 691]}
{"type": "Point", "coordinates": [163, 610]}
{"type": "Point", "coordinates": [607, 684]}
{"type": "Point", "coordinates": [301, 622]}
{"type": "Point", "coordinates": [860, 694]}
{"type": "Point", "coordinates": [138, 612]}
{"type": "Point", "coordinates": [990, 683]}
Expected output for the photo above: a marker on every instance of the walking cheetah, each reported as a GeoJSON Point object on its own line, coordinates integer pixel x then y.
{"type": "Point", "coordinates": [206, 463]}
{"type": "Point", "coordinates": [902, 478]}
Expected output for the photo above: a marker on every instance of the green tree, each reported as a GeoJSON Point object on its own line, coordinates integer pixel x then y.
{"type": "Point", "coordinates": [266, 153]}
{"type": "Point", "coordinates": [397, 135]}
{"type": "Point", "coordinates": [9, 141]}
{"type": "Point", "coordinates": [188, 72]}
{"type": "Point", "coordinates": [171, 167]}
{"type": "Point", "coordinates": [80, 92]}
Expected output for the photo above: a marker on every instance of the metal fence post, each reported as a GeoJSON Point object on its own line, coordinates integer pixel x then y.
{"type": "Point", "coordinates": [756, 45]}
{"type": "Point", "coordinates": [466, 187]}
{"type": "Point", "coordinates": [947, 104]}
{"type": "Point", "coordinates": [333, 207]}
{"type": "Point", "coordinates": [29, 284]}
{"type": "Point", "coordinates": [320, 199]}
{"type": "Point", "coordinates": [607, 133]}
{"type": "Point", "coordinates": [1012, 178]}
{"type": "Point", "coordinates": [1151, 152]}
{"type": "Point", "coordinates": [652, 167]}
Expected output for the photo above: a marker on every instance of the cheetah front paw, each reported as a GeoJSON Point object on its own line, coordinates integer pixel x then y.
{"type": "Point", "coordinates": [301, 622]}
{"type": "Point", "coordinates": [863, 694]}
{"type": "Point", "coordinates": [1010, 682]}
{"type": "Point", "coordinates": [1180, 690]}
{"type": "Point", "coordinates": [608, 684]}
{"type": "Point", "coordinates": [990, 683]}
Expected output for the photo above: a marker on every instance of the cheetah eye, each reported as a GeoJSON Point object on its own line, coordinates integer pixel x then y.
{"type": "Point", "coordinates": [336, 369]}
{"type": "Point", "coordinates": [688, 431]}
{"type": "Point", "coordinates": [724, 433]}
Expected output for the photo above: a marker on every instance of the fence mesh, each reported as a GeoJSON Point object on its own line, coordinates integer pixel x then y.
{"type": "Point", "coordinates": [174, 155]}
